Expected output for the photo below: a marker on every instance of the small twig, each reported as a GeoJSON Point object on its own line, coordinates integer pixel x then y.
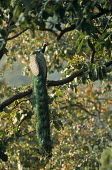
{"type": "Point", "coordinates": [21, 102]}
{"type": "Point", "coordinates": [6, 140]}
{"type": "Point", "coordinates": [28, 133]}
{"type": "Point", "coordinates": [10, 38]}
{"type": "Point", "coordinates": [81, 107]}
{"type": "Point", "coordinates": [26, 117]}
{"type": "Point", "coordinates": [106, 26]}
{"type": "Point", "coordinates": [105, 99]}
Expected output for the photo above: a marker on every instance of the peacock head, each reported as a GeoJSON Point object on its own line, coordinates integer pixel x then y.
{"type": "Point", "coordinates": [44, 47]}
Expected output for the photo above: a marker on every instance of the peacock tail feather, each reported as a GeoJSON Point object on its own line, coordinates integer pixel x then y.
{"type": "Point", "coordinates": [42, 113]}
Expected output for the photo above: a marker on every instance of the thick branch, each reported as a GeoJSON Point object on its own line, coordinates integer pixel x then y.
{"type": "Point", "coordinates": [72, 27]}
{"type": "Point", "coordinates": [66, 80]}
{"type": "Point", "coordinates": [49, 83]}
{"type": "Point", "coordinates": [11, 99]}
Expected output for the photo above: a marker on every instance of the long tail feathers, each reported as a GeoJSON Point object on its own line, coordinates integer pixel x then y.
{"type": "Point", "coordinates": [42, 114]}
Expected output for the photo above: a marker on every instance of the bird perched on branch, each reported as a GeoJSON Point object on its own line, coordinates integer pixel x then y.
{"type": "Point", "coordinates": [39, 71]}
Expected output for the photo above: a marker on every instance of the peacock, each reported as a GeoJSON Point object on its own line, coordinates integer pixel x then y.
{"type": "Point", "coordinates": [39, 70]}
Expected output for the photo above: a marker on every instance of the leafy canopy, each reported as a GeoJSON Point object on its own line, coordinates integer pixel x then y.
{"type": "Point", "coordinates": [80, 37]}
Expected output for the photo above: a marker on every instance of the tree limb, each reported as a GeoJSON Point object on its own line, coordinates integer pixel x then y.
{"type": "Point", "coordinates": [10, 38]}
{"type": "Point", "coordinates": [72, 27]}
{"type": "Point", "coordinates": [11, 99]}
{"type": "Point", "coordinates": [66, 80]}
{"type": "Point", "coordinates": [46, 29]}
{"type": "Point", "coordinates": [20, 95]}
{"type": "Point", "coordinates": [79, 105]}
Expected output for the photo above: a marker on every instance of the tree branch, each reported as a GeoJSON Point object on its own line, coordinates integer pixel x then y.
{"type": "Point", "coordinates": [46, 29]}
{"type": "Point", "coordinates": [10, 38]}
{"type": "Point", "coordinates": [66, 80]}
{"type": "Point", "coordinates": [20, 95]}
{"type": "Point", "coordinates": [28, 133]}
{"type": "Point", "coordinates": [11, 99]}
{"type": "Point", "coordinates": [6, 140]}
{"type": "Point", "coordinates": [72, 27]}
{"type": "Point", "coordinates": [79, 105]}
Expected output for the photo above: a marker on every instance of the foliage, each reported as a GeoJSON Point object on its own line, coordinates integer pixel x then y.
{"type": "Point", "coordinates": [106, 159]}
{"type": "Point", "coordinates": [80, 36]}
{"type": "Point", "coordinates": [80, 125]}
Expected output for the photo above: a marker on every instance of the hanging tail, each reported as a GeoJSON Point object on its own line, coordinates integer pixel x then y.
{"type": "Point", "coordinates": [42, 114]}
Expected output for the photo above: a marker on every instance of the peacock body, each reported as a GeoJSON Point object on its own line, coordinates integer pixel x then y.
{"type": "Point", "coordinates": [41, 109]}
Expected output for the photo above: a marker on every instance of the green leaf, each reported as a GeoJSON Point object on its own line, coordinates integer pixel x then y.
{"type": "Point", "coordinates": [21, 18]}
{"type": "Point", "coordinates": [58, 124]}
{"type": "Point", "coordinates": [7, 110]}
{"type": "Point", "coordinates": [58, 27]}
{"type": "Point", "coordinates": [80, 45]}
{"type": "Point", "coordinates": [2, 43]}
{"type": "Point", "coordinates": [45, 14]}
{"type": "Point", "coordinates": [84, 77]}
{"type": "Point", "coordinates": [2, 132]}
